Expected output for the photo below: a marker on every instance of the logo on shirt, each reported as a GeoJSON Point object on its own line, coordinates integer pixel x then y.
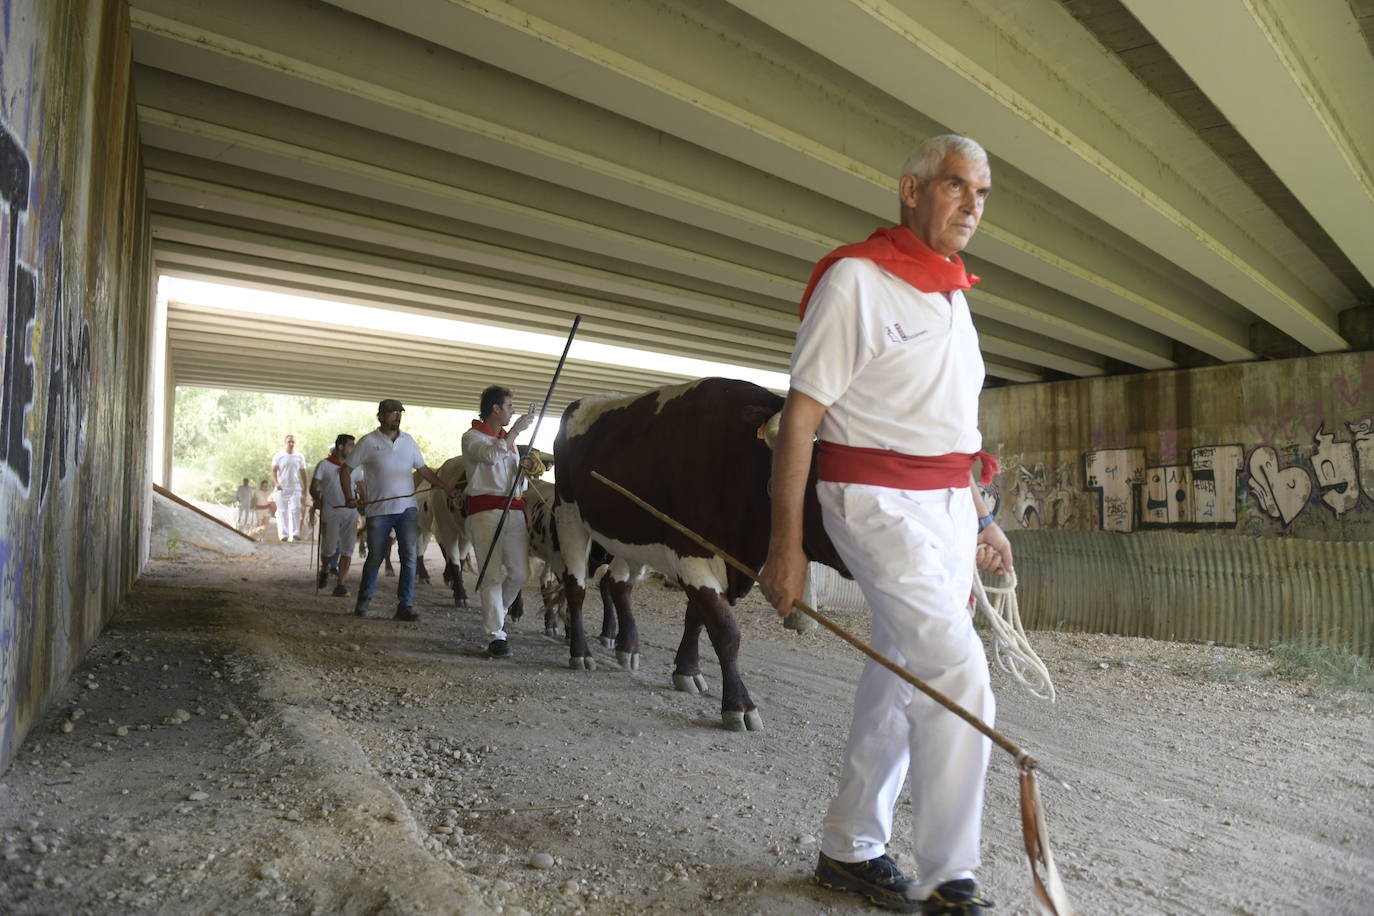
{"type": "Point", "coordinates": [897, 335]}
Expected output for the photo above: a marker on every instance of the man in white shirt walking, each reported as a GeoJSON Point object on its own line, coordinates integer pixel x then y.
{"type": "Point", "coordinates": [244, 496]}
{"type": "Point", "coordinates": [338, 523]}
{"type": "Point", "coordinates": [887, 370]}
{"type": "Point", "coordinates": [288, 475]}
{"type": "Point", "coordinates": [389, 456]}
{"type": "Point", "coordinates": [491, 459]}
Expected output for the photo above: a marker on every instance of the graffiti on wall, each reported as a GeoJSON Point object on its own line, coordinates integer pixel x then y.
{"type": "Point", "coordinates": [1336, 471]}
{"type": "Point", "coordinates": [74, 323]}
{"type": "Point", "coordinates": [16, 400]}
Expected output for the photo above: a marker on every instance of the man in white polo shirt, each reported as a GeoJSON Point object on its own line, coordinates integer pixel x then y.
{"type": "Point", "coordinates": [338, 523]}
{"type": "Point", "coordinates": [491, 460]}
{"type": "Point", "coordinates": [389, 456]}
{"type": "Point", "coordinates": [288, 474]}
{"type": "Point", "coordinates": [887, 369]}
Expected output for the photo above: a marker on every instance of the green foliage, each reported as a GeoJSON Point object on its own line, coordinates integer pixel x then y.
{"type": "Point", "coordinates": [1329, 666]}
{"type": "Point", "coordinates": [221, 437]}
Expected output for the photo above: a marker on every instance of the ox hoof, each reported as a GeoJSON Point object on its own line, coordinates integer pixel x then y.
{"type": "Point", "coordinates": [607, 642]}
{"type": "Point", "coordinates": [737, 721]}
{"type": "Point", "coordinates": [628, 660]}
{"type": "Point", "coordinates": [799, 622]}
{"type": "Point", "coordinates": [550, 631]}
{"type": "Point", "coordinates": [461, 604]}
{"type": "Point", "coordinates": [690, 683]}
{"type": "Point", "coordinates": [582, 664]}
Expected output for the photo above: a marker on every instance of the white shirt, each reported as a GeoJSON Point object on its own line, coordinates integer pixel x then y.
{"type": "Point", "coordinates": [331, 490]}
{"type": "Point", "coordinates": [289, 467]}
{"type": "Point", "coordinates": [490, 462]}
{"type": "Point", "coordinates": [897, 368]}
{"type": "Point", "coordinates": [244, 495]}
{"type": "Point", "coordinates": [389, 467]}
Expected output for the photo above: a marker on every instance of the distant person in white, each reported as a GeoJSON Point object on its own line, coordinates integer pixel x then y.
{"type": "Point", "coordinates": [389, 457]}
{"type": "Point", "coordinates": [491, 460]}
{"type": "Point", "coordinates": [288, 475]}
{"type": "Point", "coordinates": [338, 523]}
{"type": "Point", "coordinates": [245, 496]}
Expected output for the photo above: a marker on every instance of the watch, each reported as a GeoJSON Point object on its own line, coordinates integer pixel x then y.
{"type": "Point", "coordinates": [985, 521]}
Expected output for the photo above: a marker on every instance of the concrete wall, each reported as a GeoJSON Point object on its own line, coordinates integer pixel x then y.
{"type": "Point", "coordinates": [1233, 503]}
{"type": "Point", "coordinates": [73, 414]}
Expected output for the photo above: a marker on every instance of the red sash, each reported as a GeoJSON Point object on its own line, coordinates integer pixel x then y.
{"type": "Point", "coordinates": [882, 468]}
{"type": "Point", "coordinates": [485, 502]}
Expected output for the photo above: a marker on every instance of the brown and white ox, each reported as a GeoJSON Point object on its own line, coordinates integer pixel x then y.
{"type": "Point", "coordinates": [696, 452]}
{"type": "Point", "coordinates": [444, 518]}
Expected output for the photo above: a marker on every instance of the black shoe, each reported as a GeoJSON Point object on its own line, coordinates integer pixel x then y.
{"type": "Point", "coordinates": [360, 609]}
{"type": "Point", "coordinates": [955, 898]}
{"type": "Point", "coordinates": [879, 880]}
{"type": "Point", "coordinates": [404, 612]}
{"type": "Point", "coordinates": [322, 579]}
{"type": "Point", "coordinates": [340, 591]}
{"type": "Point", "coordinates": [499, 648]}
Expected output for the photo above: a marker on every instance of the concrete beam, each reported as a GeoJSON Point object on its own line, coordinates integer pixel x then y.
{"type": "Point", "coordinates": [910, 58]}
{"type": "Point", "coordinates": [1284, 83]}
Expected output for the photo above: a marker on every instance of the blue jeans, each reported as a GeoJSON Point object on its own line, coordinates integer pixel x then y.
{"type": "Point", "coordinates": [379, 527]}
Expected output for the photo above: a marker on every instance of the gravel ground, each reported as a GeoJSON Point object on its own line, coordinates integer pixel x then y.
{"type": "Point", "coordinates": [234, 743]}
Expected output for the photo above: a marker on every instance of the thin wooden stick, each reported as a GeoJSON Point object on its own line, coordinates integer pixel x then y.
{"type": "Point", "coordinates": [520, 466]}
{"type": "Point", "coordinates": [382, 499]}
{"type": "Point", "coordinates": [158, 488]}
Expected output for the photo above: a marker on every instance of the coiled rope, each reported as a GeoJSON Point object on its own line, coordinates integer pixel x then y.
{"type": "Point", "coordinates": [1011, 648]}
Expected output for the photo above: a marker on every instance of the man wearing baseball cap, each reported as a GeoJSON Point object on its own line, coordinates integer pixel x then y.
{"type": "Point", "coordinates": [388, 458]}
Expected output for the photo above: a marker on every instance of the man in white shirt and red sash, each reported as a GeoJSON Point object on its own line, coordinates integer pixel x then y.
{"type": "Point", "coordinates": [338, 523]}
{"type": "Point", "coordinates": [886, 373]}
{"type": "Point", "coordinates": [491, 460]}
{"type": "Point", "coordinates": [389, 458]}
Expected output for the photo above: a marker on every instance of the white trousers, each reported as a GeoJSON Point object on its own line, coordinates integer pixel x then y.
{"type": "Point", "coordinates": [338, 532]}
{"type": "Point", "coordinates": [289, 513]}
{"type": "Point", "coordinates": [499, 589]}
{"type": "Point", "coordinates": [911, 551]}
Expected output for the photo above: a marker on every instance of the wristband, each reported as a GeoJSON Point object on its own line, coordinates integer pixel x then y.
{"type": "Point", "coordinates": [985, 521]}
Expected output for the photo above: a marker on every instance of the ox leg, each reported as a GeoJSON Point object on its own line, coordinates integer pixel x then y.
{"type": "Point", "coordinates": [420, 570]}
{"type": "Point", "coordinates": [575, 545]}
{"type": "Point", "coordinates": [627, 642]}
{"type": "Point", "coordinates": [687, 674]}
{"type": "Point", "coordinates": [517, 608]}
{"type": "Point", "coordinates": [623, 580]}
{"type": "Point", "coordinates": [551, 590]}
{"type": "Point", "coordinates": [610, 625]}
{"type": "Point", "coordinates": [579, 656]}
{"type": "Point", "coordinates": [737, 711]}
{"type": "Point", "coordinates": [453, 575]}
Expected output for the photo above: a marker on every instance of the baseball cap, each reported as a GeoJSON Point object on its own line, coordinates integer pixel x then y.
{"type": "Point", "coordinates": [388, 405]}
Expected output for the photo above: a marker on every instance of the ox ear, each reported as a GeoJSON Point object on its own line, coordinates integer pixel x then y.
{"type": "Point", "coordinates": [764, 422]}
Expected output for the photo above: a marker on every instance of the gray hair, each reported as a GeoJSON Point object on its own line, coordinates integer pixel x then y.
{"type": "Point", "coordinates": [924, 163]}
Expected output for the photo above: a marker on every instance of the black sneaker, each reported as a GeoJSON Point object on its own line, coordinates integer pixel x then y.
{"type": "Point", "coordinates": [499, 648]}
{"type": "Point", "coordinates": [407, 613]}
{"type": "Point", "coordinates": [360, 609]}
{"type": "Point", "coordinates": [879, 880]}
{"type": "Point", "coordinates": [322, 579]}
{"type": "Point", "coordinates": [340, 591]}
{"type": "Point", "coordinates": [955, 898]}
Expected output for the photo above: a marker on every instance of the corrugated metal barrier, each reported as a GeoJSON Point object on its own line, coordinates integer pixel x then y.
{"type": "Point", "coordinates": [1192, 587]}
{"type": "Point", "coordinates": [827, 590]}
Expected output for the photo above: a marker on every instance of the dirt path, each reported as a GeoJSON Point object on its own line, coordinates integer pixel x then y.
{"type": "Point", "coordinates": [329, 764]}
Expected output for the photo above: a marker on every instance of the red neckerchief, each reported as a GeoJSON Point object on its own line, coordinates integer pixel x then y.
{"type": "Point", "coordinates": [897, 250]}
{"type": "Point", "coordinates": [332, 460]}
{"type": "Point", "coordinates": [488, 431]}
